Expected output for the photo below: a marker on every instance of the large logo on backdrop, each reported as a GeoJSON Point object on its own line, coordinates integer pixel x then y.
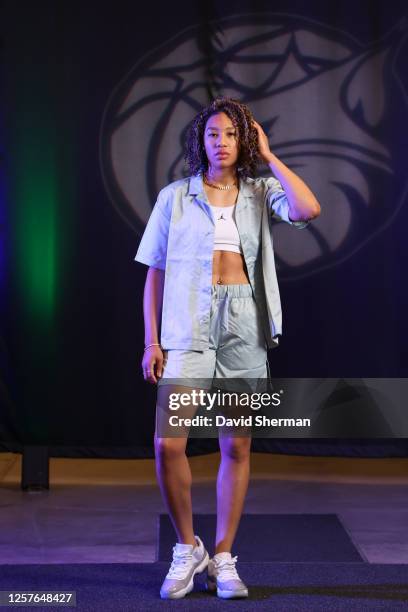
{"type": "Point", "coordinates": [328, 104]}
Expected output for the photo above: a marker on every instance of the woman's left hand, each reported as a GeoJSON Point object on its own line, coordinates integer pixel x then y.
{"type": "Point", "coordinates": [263, 143]}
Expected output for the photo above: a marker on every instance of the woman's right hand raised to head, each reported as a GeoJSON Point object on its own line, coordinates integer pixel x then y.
{"type": "Point", "coordinates": [152, 364]}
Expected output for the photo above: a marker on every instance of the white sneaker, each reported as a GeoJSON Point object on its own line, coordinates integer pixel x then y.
{"type": "Point", "coordinates": [223, 576]}
{"type": "Point", "coordinates": [187, 561]}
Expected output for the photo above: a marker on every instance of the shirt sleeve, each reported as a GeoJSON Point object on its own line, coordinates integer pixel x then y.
{"type": "Point", "coordinates": [278, 203]}
{"type": "Point", "coordinates": [152, 249]}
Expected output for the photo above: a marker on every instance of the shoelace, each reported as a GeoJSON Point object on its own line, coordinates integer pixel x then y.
{"type": "Point", "coordinates": [226, 569]}
{"type": "Point", "coordinates": [180, 564]}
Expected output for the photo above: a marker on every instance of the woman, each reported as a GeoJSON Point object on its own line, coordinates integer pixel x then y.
{"type": "Point", "coordinates": [212, 284]}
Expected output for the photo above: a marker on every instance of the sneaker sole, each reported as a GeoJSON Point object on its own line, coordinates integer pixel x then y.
{"type": "Point", "coordinates": [187, 589]}
{"type": "Point", "coordinates": [232, 594]}
{"type": "Point", "coordinates": [212, 586]}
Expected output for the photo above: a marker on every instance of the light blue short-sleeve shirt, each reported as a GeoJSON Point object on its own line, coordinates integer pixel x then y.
{"type": "Point", "coordinates": [179, 238]}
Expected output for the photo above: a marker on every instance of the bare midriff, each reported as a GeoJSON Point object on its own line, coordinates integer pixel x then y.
{"type": "Point", "coordinates": [229, 269]}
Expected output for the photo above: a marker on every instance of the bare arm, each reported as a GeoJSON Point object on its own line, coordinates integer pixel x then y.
{"type": "Point", "coordinates": [152, 310]}
{"type": "Point", "coordinates": [303, 204]}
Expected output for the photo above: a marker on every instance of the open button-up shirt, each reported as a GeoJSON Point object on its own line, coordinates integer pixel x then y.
{"type": "Point", "coordinates": [179, 239]}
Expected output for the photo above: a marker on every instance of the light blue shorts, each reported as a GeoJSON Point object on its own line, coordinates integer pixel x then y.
{"type": "Point", "coordinates": [237, 345]}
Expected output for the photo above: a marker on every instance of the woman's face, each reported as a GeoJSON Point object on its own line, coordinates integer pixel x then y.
{"type": "Point", "coordinates": [221, 142]}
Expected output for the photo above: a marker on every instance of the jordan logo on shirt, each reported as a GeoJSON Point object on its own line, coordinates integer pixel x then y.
{"type": "Point", "coordinates": [221, 217]}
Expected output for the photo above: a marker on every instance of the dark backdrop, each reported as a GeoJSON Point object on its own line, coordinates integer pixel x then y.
{"type": "Point", "coordinates": [71, 309]}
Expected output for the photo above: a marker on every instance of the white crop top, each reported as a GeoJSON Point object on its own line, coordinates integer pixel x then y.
{"type": "Point", "coordinates": [226, 237]}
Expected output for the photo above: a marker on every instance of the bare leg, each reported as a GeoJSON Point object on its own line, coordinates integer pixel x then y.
{"type": "Point", "coordinates": [232, 485]}
{"type": "Point", "coordinates": [174, 478]}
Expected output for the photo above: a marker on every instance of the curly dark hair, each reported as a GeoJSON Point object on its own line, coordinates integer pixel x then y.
{"type": "Point", "coordinates": [241, 117]}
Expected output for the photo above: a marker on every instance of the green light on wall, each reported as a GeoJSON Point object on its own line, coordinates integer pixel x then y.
{"type": "Point", "coordinates": [36, 233]}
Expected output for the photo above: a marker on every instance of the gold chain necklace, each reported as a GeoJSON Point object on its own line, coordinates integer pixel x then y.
{"type": "Point", "coordinates": [221, 187]}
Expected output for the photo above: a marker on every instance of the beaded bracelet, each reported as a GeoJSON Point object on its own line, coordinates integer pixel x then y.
{"type": "Point", "coordinates": [152, 344]}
